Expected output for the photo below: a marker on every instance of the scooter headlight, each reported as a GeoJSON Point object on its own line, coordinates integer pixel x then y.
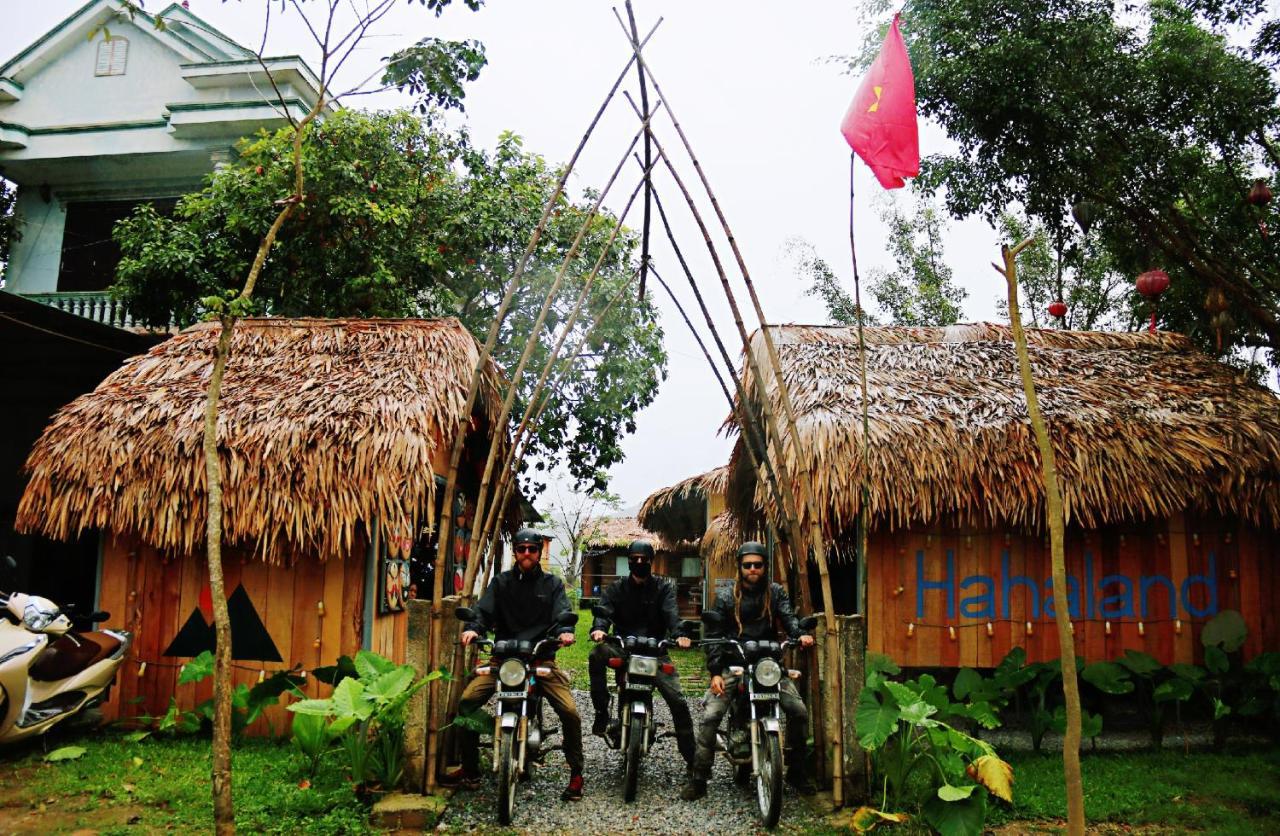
{"type": "Point", "coordinates": [511, 673]}
{"type": "Point", "coordinates": [642, 666]}
{"type": "Point", "coordinates": [768, 673]}
{"type": "Point", "coordinates": [36, 617]}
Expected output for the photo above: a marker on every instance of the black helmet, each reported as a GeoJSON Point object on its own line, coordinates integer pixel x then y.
{"type": "Point", "coordinates": [751, 547]}
{"type": "Point", "coordinates": [641, 547]}
{"type": "Point", "coordinates": [528, 535]}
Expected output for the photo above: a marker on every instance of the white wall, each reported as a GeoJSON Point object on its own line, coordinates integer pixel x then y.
{"type": "Point", "coordinates": [37, 254]}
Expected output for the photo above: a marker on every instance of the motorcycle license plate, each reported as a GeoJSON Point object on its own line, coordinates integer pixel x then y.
{"type": "Point", "coordinates": [511, 695]}
{"type": "Point", "coordinates": [639, 686]}
{"type": "Point", "coordinates": [764, 696]}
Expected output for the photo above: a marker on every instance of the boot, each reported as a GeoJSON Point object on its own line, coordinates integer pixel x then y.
{"type": "Point", "coordinates": [601, 721]}
{"type": "Point", "coordinates": [573, 792]}
{"type": "Point", "coordinates": [693, 789]}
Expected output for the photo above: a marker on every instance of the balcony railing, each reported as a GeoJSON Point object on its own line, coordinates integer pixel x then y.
{"type": "Point", "coordinates": [98, 306]}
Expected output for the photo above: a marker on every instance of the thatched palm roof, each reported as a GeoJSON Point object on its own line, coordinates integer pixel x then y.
{"type": "Point", "coordinates": [1144, 425]}
{"type": "Point", "coordinates": [680, 511]}
{"type": "Point", "coordinates": [325, 426]}
{"type": "Point", "coordinates": [604, 533]}
{"type": "Point", "coordinates": [719, 545]}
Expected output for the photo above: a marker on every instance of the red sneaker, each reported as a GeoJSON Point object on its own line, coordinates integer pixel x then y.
{"type": "Point", "coordinates": [573, 792]}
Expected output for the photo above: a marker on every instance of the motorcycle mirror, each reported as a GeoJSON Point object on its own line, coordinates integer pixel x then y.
{"type": "Point", "coordinates": [9, 562]}
{"type": "Point", "coordinates": [809, 622]}
{"type": "Point", "coordinates": [464, 614]}
{"type": "Point", "coordinates": [602, 611]}
{"type": "Point", "coordinates": [711, 618]}
{"type": "Point", "coordinates": [100, 615]}
{"type": "Point", "coordinates": [566, 619]}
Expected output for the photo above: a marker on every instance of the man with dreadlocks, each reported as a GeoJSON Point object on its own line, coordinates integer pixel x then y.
{"type": "Point", "coordinates": [756, 609]}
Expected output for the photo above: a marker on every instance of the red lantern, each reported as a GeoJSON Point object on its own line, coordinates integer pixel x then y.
{"type": "Point", "coordinates": [1058, 309]}
{"type": "Point", "coordinates": [1259, 195]}
{"type": "Point", "coordinates": [1151, 284]}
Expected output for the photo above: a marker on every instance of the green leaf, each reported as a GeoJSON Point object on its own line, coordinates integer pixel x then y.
{"type": "Point", "coordinates": [966, 681]}
{"type": "Point", "coordinates": [949, 793]}
{"type": "Point", "coordinates": [875, 721]}
{"type": "Point", "coordinates": [390, 685]}
{"type": "Point", "coordinates": [477, 720]}
{"type": "Point", "coordinates": [319, 708]}
{"type": "Point", "coordinates": [918, 713]}
{"type": "Point", "coordinates": [1143, 664]}
{"type": "Point", "coordinates": [370, 665]}
{"type": "Point", "coordinates": [201, 667]}
{"type": "Point", "coordinates": [901, 694]}
{"type": "Point", "coordinates": [956, 818]}
{"type": "Point", "coordinates": [1174, 690]}
{"type": "Point", "coordinates": [1190, 673]}
{"type": "Point", "coordinates": [982, 713]}
{"type": "Point", "coordinates": [1216, 660]}
{"type": "Point", "coordinates": [137, 736]}
{"type": "Point", "coordinates": [1108, 677]}
{"type": "Point", "coordinates": [66, 753]}
{"type": "Point", "coordinates": [349, 700]}
{"type": "Point", "coordinates": [1220, 709]}
{"type": "Point", "coordinates": [1226, 630]}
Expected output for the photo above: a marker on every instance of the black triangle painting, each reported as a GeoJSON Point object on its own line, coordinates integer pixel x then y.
{"type": "Point", "coordinates": [250, 641]}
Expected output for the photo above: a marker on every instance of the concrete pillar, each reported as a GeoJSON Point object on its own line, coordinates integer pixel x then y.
{"type": "Point", "coordinates": [415, 724]}
{"type": "Point", "coordinates": [852, 637]}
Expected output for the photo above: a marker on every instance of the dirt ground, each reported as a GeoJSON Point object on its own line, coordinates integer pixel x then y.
{"type": "Point", "coordinates": [75, 814]}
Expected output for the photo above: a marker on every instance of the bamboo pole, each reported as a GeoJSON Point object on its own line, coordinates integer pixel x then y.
{"type": "Point", "coordinates": [444, 541]}
{"type": "Point", "coordinates": [1053, 503]}
{"type": "Point", "coordinates": [535, 334]}
{"type": "Point", "coordinates": [648, 161]}
{"type": "Point", "coordinates": [806, 496]}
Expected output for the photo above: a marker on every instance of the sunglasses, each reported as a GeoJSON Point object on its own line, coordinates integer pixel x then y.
{"type": "Point", "coordinates": [527, 549]}
{"type": "Point", "coordinates": [753, 565]}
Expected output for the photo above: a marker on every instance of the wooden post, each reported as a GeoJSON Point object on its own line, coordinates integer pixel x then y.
{"type": "Point", "coordinates": [415, 723]}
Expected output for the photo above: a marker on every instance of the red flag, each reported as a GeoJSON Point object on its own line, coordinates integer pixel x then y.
{"type": "Point", "coordinates": [880, 125]}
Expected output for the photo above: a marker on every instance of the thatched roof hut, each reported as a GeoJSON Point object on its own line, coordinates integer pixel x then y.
{"type": "Point", "coordinates": [326, 425]}
{"type": "Point", "coordinates": [1144, 426]}
{"type": "Point", "coordinates": [679, 512]}
{"type": "Point", "coordinates": [616, 533]}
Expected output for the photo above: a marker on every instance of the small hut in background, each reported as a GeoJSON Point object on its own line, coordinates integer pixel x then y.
{"type": "Point", "coordinates": [685, 512]}
{"type": "Point", "coordinates": [604, 560]}
{"type": "Point", "coordinates": [1170, 468]}
{"type": "Point", "coordinates": [332, 435]}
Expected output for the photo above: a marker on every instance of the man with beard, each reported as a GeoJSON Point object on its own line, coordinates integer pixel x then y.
{"type": "Point", "coordinates": [756, 609]}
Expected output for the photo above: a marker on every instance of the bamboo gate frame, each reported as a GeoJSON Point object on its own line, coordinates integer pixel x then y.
{"type": "Point", "coordinates": [773, 469]}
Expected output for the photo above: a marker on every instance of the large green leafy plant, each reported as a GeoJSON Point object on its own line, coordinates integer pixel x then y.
{"type": "Point", "coordinates": [366, 715]}
{"type": "Point", "coordinates": [247, 704]}
{"type": "Point", "coordinates": [913, 749]}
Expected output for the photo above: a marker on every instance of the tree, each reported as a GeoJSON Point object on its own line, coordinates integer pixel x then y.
{"type": "Point", "coordinates": [8, 224]}
{"type": "Point", "coordinates": [919, 290]}
{"type": "Point", "coordinates": [1140, 114]}
{"type": "Point", "coordinates": [404, 218]}
{"type": "Point", "coordinates": [573, 519]}
{"type": "Point", "coordinates": [1095, 294]}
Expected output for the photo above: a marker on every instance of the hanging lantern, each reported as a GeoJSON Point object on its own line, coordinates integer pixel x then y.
{"type": "Point", "coordinates": [1085, 213]}
{"type": "Point", "coordinates": [1260, 194]}
{"type": "Point", "coordinates": [1219, 322]}
{"type": "Point", "coordinates": [1057, 309]}
{"type": "Point", "coordinates": [1151, 284]}
{"type": "Point", "coordinates": [1215, 301]}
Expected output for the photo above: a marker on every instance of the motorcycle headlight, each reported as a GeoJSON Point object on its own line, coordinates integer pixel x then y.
{"type": "Point", "coordinates": [511, 673]}
{"type": "Point", "coordinates": [36, 618]}
{"type": "Point", "coordinates": [642, 666]}
{"type": "Point", "coordinates": [768, 673]}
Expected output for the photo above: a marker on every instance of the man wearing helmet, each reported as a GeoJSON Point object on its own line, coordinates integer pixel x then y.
{"type": "Point", "coordinates": [641, 604]}
{"type": "Point", "coordinates": [755, 609]}
{"type": "Point", "coordinates": [523, 603]}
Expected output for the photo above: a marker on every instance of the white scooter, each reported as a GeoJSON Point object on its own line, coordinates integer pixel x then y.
{"type": "Point", "coordinates": [49, 672]}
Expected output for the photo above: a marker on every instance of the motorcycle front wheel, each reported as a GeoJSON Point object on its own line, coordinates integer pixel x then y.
{"type": "Point", "coordinates": [508, 774]}
{"type": "Point", "coordinates": [769, 779]}
{"type": "Point", "coordinates": [635, 751]}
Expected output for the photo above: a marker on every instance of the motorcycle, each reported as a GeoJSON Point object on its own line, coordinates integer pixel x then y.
{"type": "Point", "coordinates": [752, 737]}
{"type": "Point", "coordinates": [518, 736]}
{"type": "Point", "coordinates": [49, 672]}
{"type": "Point", "coordinates": [637, 669]}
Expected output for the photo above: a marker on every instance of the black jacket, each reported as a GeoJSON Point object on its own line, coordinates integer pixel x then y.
{"type": "Point", "coordinates": [520, 605]}
{"type": "Point", "coordinates": [754, 625]}
{"type": "Point", "coordinates": [646, 609]}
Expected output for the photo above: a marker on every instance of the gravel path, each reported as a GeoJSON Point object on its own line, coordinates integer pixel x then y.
{"type": "Point", "coordinates": [657, 808]}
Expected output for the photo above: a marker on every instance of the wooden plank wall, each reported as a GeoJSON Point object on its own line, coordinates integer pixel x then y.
{"type": "Point", "coordinates": [1173, 556]}
{"type": "Point", "coordinates": [153, 596]}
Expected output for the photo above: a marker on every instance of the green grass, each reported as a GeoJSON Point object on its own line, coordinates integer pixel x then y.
{"type": "Point", "coordinates": [690, 664]}
{"type": "Point", "coordinates": [163, 783]}
{"type": "Point", "coordinates": [1217, 793]}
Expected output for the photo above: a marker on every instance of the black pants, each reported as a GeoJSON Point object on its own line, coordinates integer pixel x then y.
{"type": "Point", "coordinates": [668, 686]}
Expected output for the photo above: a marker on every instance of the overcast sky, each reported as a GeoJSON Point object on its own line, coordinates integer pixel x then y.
{"type": "Point", "coordinates": [761, 106]}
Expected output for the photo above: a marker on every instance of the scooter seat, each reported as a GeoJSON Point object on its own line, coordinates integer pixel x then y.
{"type": "Point", "coordinates": [71, 653]}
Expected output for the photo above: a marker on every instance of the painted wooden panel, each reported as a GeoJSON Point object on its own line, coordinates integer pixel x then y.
{"type": "Point", "coordinates": [1140, 586]}
{"type": "Point", "coordinates": [154, 598]}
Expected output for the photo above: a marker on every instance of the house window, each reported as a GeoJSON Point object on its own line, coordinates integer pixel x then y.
{"type": "Point", "coordinates": [89, 253]}
{"type": "Point", "coordinates": [691, 567]}
{"type": "Point", "coordinates": [113, 55]}
{"type": "Point", "coordinates": [621, 566]}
